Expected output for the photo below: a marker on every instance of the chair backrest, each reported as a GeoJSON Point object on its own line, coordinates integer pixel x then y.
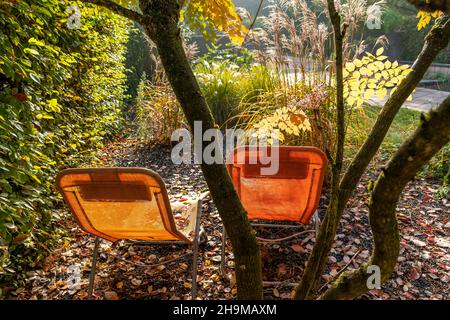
{"type": "Point", "coordinates": [119, 203]}
{"type": "Point", "coordinates": [292, 194]}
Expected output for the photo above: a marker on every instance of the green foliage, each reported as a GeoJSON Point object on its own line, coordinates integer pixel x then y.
{"type": "Point", "coordinates": [226, 85]}
{"type": "Point", "coordinates": [360, 123]}
{"type": "Point", "coordinates": [228, 53]}
{"type": "Point", "coordinates": [138, 60]}
{"type": "Point", "coordinates": [400, 26]}
{"type": "Point", "coordinates": [60, 95]}
{"type": "Point", "coordinates": [405, 123]}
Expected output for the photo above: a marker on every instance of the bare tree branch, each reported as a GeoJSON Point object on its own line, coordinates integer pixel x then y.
{"type": "Point", "coordinates": [309, 281]}
{"type": "Point", "coordinates": [118, 9]}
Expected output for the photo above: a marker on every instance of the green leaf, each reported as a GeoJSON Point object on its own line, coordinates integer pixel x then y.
{"type": "Point", "coordinates": [31, 51]}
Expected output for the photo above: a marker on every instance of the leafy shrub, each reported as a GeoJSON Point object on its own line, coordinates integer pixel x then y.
{"type": "Point", "coordinates": [225, 84]}
{"type": "Point", "coordinates": [228, 53]}
{"type": "Point", "coordinates": [139, 59]}
{"type": "Point", "coordinates": [60, 95]}
{"type": "Point", "coordinates": [300, 112]}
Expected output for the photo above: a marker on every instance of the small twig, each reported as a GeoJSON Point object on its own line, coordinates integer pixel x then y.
{"type": "Point", "coordinates": [254, 20]}
{"type": "Point", "coordinates": [340, 271]}
{"type": "Point", "coordinates": [285, 238]}
{"type": "Point", "coordinates": [118, 9]}
{"type": "Point", "coordinates": [286, 283]}
{"type": "Point", "coordinates": [143, 265]}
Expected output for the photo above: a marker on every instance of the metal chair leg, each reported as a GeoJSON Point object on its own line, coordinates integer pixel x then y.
{"type": "Point", "coordinates": [195, 256]}
{"type": "Point", "coordinates": [316, 221]}
{"type": "Point", "coordinates": [94, 265]}
{"type": "Point", "coordinates": [222, 260]}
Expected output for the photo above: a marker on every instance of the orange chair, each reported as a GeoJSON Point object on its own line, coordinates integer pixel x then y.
{"type": "Point", "coordinates": [130, 204]}
{"type": "Point", "coordinates": [292, 194]}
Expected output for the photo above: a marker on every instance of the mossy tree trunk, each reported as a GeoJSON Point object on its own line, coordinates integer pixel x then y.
{"type": "Point", "coordinates": [435, 41]}
{"type": "Point", "coordinates": [427, 140]}
{"type": "Point", "coordinates": [316, 263]}
{"type": "Point", "coordinates": [160, 19]}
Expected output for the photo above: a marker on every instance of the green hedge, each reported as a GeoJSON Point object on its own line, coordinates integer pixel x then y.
{"type": "Point", "coordinates": [61, 92]}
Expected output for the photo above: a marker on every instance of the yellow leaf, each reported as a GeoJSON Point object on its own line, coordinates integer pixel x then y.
{"type": "Point", "coordinates": [382, 93]}
{"type": "Point", "coordinates": [351, 101]}
{"type": "Point", "coordinates": [349, 66]}
{"type": "Point", "coordinates": [356, 75]}
{"type": "Point", "coordinates": [380, 51]}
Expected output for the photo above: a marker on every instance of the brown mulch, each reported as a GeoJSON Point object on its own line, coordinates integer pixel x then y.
{"type": "Point", "coordinates": [423, 270]}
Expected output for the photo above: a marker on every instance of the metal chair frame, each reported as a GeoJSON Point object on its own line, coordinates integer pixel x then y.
{"type": "Point", "coordinates": [302, 222]}
{"type": "Point", "coordinates": [180, 238]}
{"type": "Point", "coordinates": [315, 218]}
{"type": "Point", "coordinates": [195, 247]}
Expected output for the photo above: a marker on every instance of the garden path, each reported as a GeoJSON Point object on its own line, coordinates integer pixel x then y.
{"type": "Point", "coordinates": [424, 99]}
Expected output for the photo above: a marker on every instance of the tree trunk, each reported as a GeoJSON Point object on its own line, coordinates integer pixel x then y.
{"type": "Point", "coordinates": [164, 31]}
{"type": "Point", "coordinates": [317, 260]}
{"type": "Point", "coordinates": [435, 41]}
{"type": "Point", "coordinates": [427, 140]}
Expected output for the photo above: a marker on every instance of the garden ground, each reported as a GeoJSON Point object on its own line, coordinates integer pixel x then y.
{"type": "Point", "coordinates": [423, 270]}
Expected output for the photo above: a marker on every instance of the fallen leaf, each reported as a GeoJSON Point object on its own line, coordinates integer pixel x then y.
{"type": "Point", "coordinates": [297, 248]}
{"type": "Point", "coordinates": [136, 282]}
{"type": "Point", "coordinates": [419, 243]}
{"type": "Point", "coordinates": [111, 295]}
{"type": "Point", "coordinates": [276, 293]}
{"type": "Point", "coordinates": [413, 274]}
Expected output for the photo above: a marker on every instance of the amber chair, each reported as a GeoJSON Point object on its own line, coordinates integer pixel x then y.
{"type": "Point", "coordinates": [128, 204]}
{"type": "Point", "coordinates": [291, 194]}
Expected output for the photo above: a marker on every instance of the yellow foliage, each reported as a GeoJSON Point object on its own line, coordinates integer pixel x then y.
{"type": "Point", "coordinates": [371, 76]}
{"type": "Point", "coordinates": [286, 121]}
{"type": "Point", "coordinates": [219, 14]}
{"type": "Point", "coordinates": [425, 18]}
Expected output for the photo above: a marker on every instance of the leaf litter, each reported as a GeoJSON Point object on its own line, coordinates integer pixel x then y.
{"type": "Point", "coordinates": [422, 272]}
